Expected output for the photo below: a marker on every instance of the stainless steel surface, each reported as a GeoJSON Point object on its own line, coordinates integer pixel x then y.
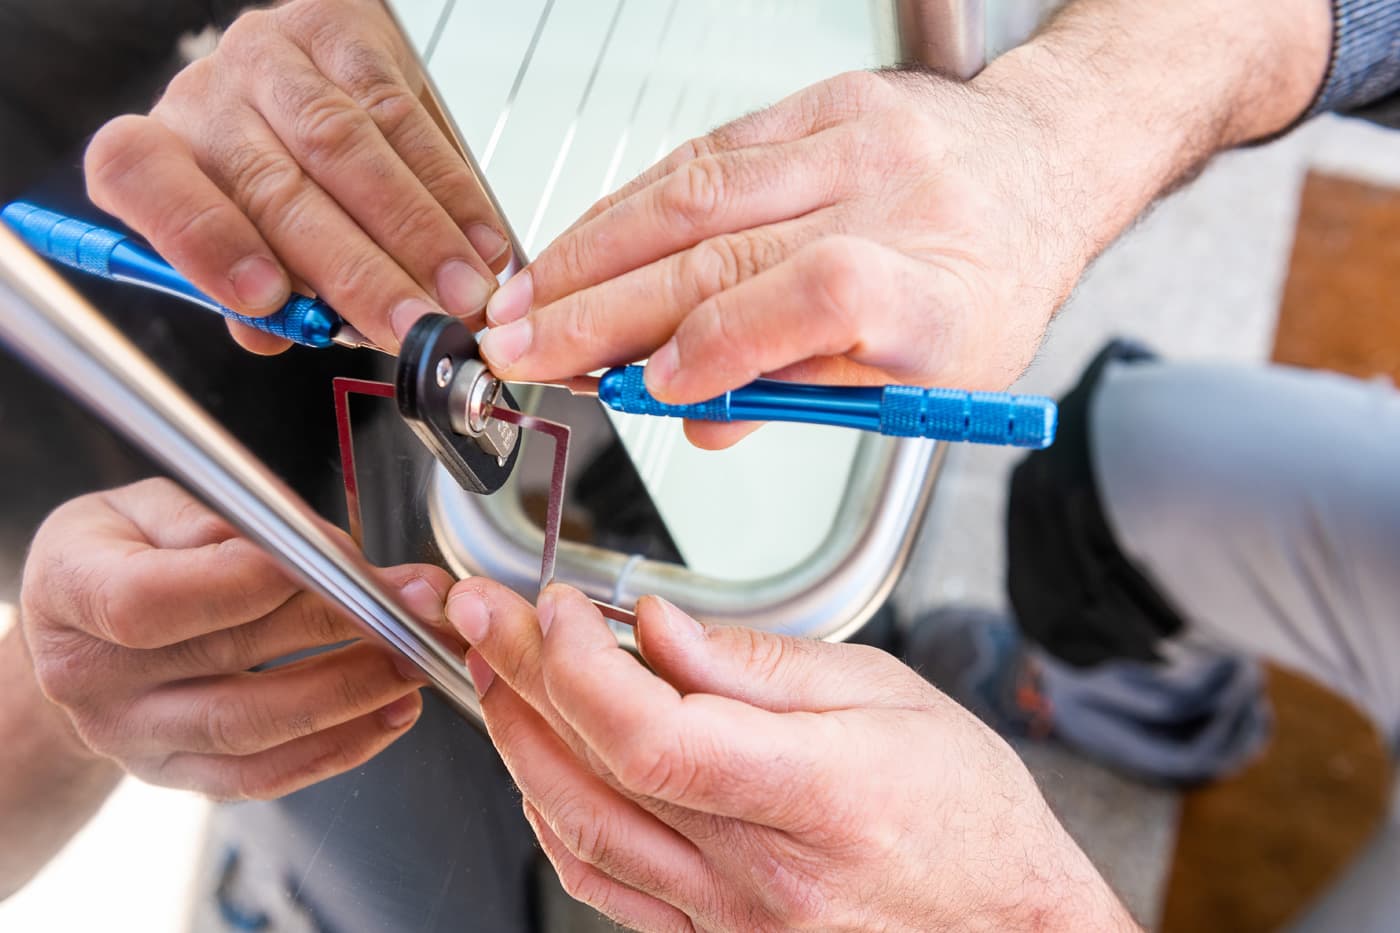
{"type": "Point", "coordinates": [949, 35]}
{"type": "Point", "coordinates": [47, 323]}
{"type": "Point", "coordinates": [829, 596]}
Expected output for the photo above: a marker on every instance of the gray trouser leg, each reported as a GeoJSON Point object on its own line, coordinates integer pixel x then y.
{"type": "Point", "coordinates": [1265, 503]}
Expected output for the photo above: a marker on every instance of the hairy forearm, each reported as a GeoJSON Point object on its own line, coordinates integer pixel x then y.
{"type": "Point", "coordinates": [50, 785]}
{"type": "Point", "coordinates": [1133, 96]}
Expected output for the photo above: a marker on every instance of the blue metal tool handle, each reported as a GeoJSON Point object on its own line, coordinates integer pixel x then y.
{"type": "Point", "coordinates": [897, 411]}
{"type": "Point", "coordinates": [112, 255]}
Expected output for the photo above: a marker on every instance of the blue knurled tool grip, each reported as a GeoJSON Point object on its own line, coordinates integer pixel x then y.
{"type": "Point", "coordinates": [112, 255]}
{"type": "Point", "coordinates": [898, 411]}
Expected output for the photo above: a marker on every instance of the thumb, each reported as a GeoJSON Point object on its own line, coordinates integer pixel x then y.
{"type": "Point", "coordinates": [775, 672]}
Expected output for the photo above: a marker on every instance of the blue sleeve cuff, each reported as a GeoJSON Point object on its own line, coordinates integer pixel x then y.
{"type": "Point", "coordinates": [1365, 64]}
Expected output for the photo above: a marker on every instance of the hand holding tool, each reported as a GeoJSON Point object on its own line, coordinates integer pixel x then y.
{"type": "Point", "coordinates": [112, 255]}
{"type": "Point", "coordinates": [897, 411]}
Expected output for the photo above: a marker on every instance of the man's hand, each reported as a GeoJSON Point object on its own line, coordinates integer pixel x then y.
{"type": "Point", "coordinates": [756, 782]}
{"type": "Point", "coordinates": [851, 233]}
{"type": "Point", "coordinates": [145, 613]}
{"type": "Point", "coordinates": [900, 226]}
{"type": "Point", "coordinates": [299, 152]}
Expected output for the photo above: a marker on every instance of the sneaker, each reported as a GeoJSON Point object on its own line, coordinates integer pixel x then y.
{"type": "Point", "coordinates": [977, 657]}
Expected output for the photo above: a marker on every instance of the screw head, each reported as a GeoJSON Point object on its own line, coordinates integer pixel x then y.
{"type": "Point", "coordinates": [444, 371]}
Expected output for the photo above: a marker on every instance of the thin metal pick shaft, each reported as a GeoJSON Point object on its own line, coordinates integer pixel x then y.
{"type": "Point", "coordinates": [554, 510]}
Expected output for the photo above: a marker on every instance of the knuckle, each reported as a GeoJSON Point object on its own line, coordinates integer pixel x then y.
{"type": "Point", "coordinates": [388, 102]}
{"type": "Point", "coordinates": [58, 676]}
{"type": "Point", "coordinates": [119, 610]}
{"type": "Point", "coordinates": [63, 666]}
{"type": "Point", "coordinates": [507, 732]}
{"type": "Point", "coordinates": [662, 769]}
{"type": "Point", "coordinates": [237, 553]}
{"type": "Point", "coordinates": [444, 174]}
{"type": "Point", "coordinates": [793, 899]}
{"type": "Point", "coordinates": [741, 256]}
{"type": "Point", "coordinates": [98, 730]}
{"type": "Point", "coordinates": [50, 590]}
{"type": "Point", "coordinates": [298, 725]}
{"type": "Point", "coordinates": [325, 131]}
{"type": "Point", "coordinates": [835, 277]}
{"type": "Point", "coordinates": [694, 193]}
{"type": "Point", "coordinates": [520, 668]}
{"type": "Point", "coordinates": [252, 783]}
{"type": "Point", "coordinates": [320, 623]}
{"type": "Point", "coordinates": [859, 89]}
{"type": "Point", "coordinates": [698, 147]}
{"type": "Point", "coordinates": [572, 257]}
{"type": "Point", "coordinates": [200, 524]}
{"type": "Point", "coordinates": [156, 487]}
{"type": "Point", "coordinates": [246, 34]}
{"type": "Point", "coordinates": [419, 219]}
{"type": "Point", "coordinates": [708, 269]}
{"type": "Point", "coordinates": [769, 656]}
{"type": "Point", "coordinates": [237, 650]}
{"type": "Point", "coordinates": [247, 584]}
{"type": "Point", "coordinates": [206, 654]}
{"type": "Point", "coordinates": [907, 146]}
{"type": "Point", "coordinates": [118, 150]}
{"type": "Point", "coordinates": [584, 324]}
{"type": "Point", "coordinates": [189, 84]}
{"type": "Point", "coordinates": [264, 180]}
{"type": "Point", "coordinates": [230, 728]}
{"type": "Point", "coordinates": [582, 884]}
{"type": "Point", "coordinates": [186, 225]}
{"type": "Point", "coordinates": [355, 275]}
{"type": "Point", "coordinates": [586, 830]}
{"type": "Point", "coordinates": [307, 21]}
{"type": "Point", "coordinates": [48, 569]}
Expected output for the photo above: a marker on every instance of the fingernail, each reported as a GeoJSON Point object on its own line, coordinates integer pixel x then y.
{"type": "Point", "coordinates": [502, 346]}
{"type": "Point", "coordinates": [482, 675]}
{"type": "Point", "coordinates": [259, 284]}
{"type": "Point", "coordinates": [462, 289]}
{"type": "Point", "coordinates": [662, 366]}
{"type": "Point", "coordinates": [679, 622]}
{"type": "Point", "coordinates": [401, 712]}
{"type": "Point", "coordinates": [513, 301]}
{"type": "Point", "coordinates": [545, 611]}
{"type": "Point", "coordinates": [469, 615]}
{"type": "Point", "coordinates": [406, 314]}
{"type": "Point", "coordinates": [487, 241]}
{"type": "Point", "coordinates": [422, 600]}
